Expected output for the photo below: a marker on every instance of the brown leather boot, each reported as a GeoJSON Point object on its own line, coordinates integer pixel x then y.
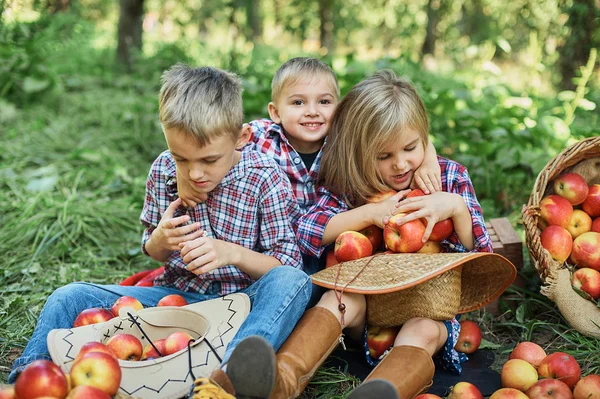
{"type": "Point", "coordinates": [409, 368]}
{"type": "Point", "coordinates": [315, 336]}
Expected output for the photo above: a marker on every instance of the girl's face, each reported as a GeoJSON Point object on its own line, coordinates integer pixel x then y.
{"type": "Point", "coordinates": [400, 158]}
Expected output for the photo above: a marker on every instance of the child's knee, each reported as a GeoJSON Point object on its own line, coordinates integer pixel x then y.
{"type": "Point", "coordinates": [427, 331]}
{"type": "Point", "coordinates": [291, 278]}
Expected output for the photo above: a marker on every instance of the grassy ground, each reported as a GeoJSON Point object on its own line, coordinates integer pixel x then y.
{"type": "Point", "coordinates": [72, 175]}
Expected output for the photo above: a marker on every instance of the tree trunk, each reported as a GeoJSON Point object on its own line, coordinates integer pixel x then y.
{"type": "Point", "coordinates": [431, 33]}
{"type": "Point", "coordinates": [326, 28]}
{"type": "Point", "coordinates": [254, 18]}
{"type": "Point", "coordinates": [129, 30]}
{"type": "Point", "coordinates": [575, 51]}
{"type": "Point", "coordinates": [55, 6]}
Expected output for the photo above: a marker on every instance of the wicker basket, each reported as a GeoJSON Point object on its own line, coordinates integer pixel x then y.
{"type": "Point", "coordinates": [582, 157]}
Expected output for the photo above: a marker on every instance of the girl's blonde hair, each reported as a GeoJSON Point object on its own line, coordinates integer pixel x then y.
{"type": "Point", "coordinates": [374, 113]}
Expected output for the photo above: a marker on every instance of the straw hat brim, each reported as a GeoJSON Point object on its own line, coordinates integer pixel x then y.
{"type": "Point", "coordinates": [485, 276]}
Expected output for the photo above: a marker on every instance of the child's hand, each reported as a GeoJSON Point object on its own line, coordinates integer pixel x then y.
{"type": "Point", "coordinates": [168, 235]}
{"type": "Point", "coordinates": [381, 212]}
{"type": "Point", "coordinates": [434, 208]}
{"type": "Point", "coordinates": [428, 177]}
{"type": "Point", "coordinates": [189, 197]}
{"type": "Point", "coordinates": [205, 254]}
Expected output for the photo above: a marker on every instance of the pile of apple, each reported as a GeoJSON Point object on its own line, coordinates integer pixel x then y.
{"type": "Point", "coordinates": [570, 229]}
{"type": "Point", "coordinates": [352, 245]}
{"type": "Point", "coordinates": [95, 372]}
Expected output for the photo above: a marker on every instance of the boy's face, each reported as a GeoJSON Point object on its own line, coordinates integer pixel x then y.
{"type": "Point", "coordinates": [399, 160]}
{"type": "Point", "coordinates": [203, 167]}
{"type": "Point", "coordinates": [304, 110]}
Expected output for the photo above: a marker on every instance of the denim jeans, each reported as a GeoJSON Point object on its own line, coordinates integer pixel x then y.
{"type": "Point", "coordinates": [278, 300]}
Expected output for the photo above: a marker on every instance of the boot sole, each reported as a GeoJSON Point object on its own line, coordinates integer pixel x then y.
{"type": "Point", "coordinates": [251, 368]}
{"type": "Point", "coordinates": [374, 389]}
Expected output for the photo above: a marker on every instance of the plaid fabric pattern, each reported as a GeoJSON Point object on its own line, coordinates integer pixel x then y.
{"type": "Point", "coordinates": [253, 206]}
{"type": "Point", "coordinates": [455, 179]}
{"type": "Point", "coordinates": [268, 138]}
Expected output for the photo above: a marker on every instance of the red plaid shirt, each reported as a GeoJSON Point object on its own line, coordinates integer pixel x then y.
{"type": "Point", "coordinates": [253, 206]}
{"type": "Point", "coordinates": [455, 179]}
{"type": "Point", "coordinates": [268, 138]}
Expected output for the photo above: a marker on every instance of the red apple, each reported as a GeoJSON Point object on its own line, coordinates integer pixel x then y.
{"type": "Point", "coordinates": [380, 197]}
{"type": "Point", "coordinates": [406, 238]}
{"type": "Point", "coordinates": [375, 235]}
{"type": "Point", "coordinates": [442, 230]}
{"type": "Point", "coordinates": [7, 392]}
{"type": "Point", "coordinates": [427, 396]}
{"type": "Point", "coordinates": [94, 346]}
{"type": "Point", "coordinates": [176, 341]}
{"type": "Point", "coordinates": [172, 300]}
{"type": "Point", "coordinates": [555, 211]}
{"type": "Point", "coordinates": [596, 225]}
{"type": "Point", "coordinates": [126, 347]}
{"type": "Point", "coordinates": [586, 250]}
{"type": "Point", "coordinates": [587, 388]}
{"type": "Point", "coordinates": [330, 260]}
{"type": "Point", "coordinates": [588, 280]}
{"type": "Point", "coordinates": [464, 390]}
{"type": "Point", "coordinates": [126, 301]}
{"type": "Point", "coordinates": [580, 223]}
{"type": "Point", "coordinates": [530, 352]}
{"type": "Point", "coordinates": [561, 366]}
{"type": "Point", "coordinates": [151, 353]}
{"type": "Point", "coordinates": [87, 392]}
{"type": "Point", "coordinates": [92, 316]}
{"type": "Point", "coordinates": [351, 245]}
{"type": "Point", "coordinates": [571, 186]}
{"type": "Point", "coordinates": [41, 378]}
{"type": "Point", "coordinates": [417, 192]}
{"type": "Point", "coordinates": [469, 337]}
{"type": "Point", "coordinates": [430, 247]}
{"type": "Point", "coordinates": [379, 339]}
{"type": "Point", "coordinates": [558, 242]}
{"type": "Point", "coordinates": [591, 205]}
{"type": "Point", "coordinates": [508, 393]}
{"type": "Point", "coordinates": [549, 388]}
{"type": "Point", "coordinates": [518, 374]}
{"type": "Point", "coordinates": [99, 370]}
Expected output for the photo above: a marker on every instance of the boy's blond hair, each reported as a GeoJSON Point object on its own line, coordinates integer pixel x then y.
{"type": "Point", "coordinates": [205, 102]}
{"type": "Point", "coordinates": [372, 115]}
{"type": "Point", "coordinates": [300, 69]}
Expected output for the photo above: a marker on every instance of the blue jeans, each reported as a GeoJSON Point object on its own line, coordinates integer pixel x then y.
{"type": "Point", "coordinates": [278, 300]}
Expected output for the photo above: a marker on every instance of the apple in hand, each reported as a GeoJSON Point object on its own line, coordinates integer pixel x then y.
{"type": "Point", "coordinates": [94, 346]}
{"type": "Point", "coordinates": [442, 229]}
{"type": "Point", "coordinates": [508, 393]}
{"type": "Point", "coordinates": [561, 366]}
{"type": "Point", "coordinates": [587, 388]}
{"type": "Point", "coordinates": [580, 223]}
{"type": "Point", "coordinates": [405, 238]}
{"type": "Point", "coordinates": [572, 187]}
{"type": "Point", "coordinates": [125, 301]}
{"type": "Point", "coordinates": [126, 347]}
{"type": "Point", "coordinates": [558, 242]}
{"type": "Point", "coordinates": [41, 378]}
{"type": "Point", "coordinates": [549, 388]}
{"type": "Point", "coordinates": [586, 250]}
{"type": "Point", "coordinates": [555, 211]}
{"type": "Point", "coordinates": [375, 235]}
{"type": "Point", "coordinates": [92, 316]}
{"type": "Point", "coordinates": [588, 280]}
{"type": "Point", "coordinates": [351, 245]}
{"type": "Point", "coordinates": [531, 352]}
{"type": "Point", "coordinates": [596, 225]}
{"type": "Point", "coordinates": [464, 390]}
{"type": "Point", "coordinates": [87, 392]}
{"type": "Point", "coordinates": [427, 396]}
{"type": "Point", "coordinates": [176, 341]}
{"type": "Point", "coordinates": [469, 337]}
{"type": "Point", "coordinates": [518, 374]}
{"type": "Point", "coordinates": [381, 196]}
{"type": "Point", "coordinates": [591, 205]}
{"type": "Point", "coordinates": [379, 339]}
{"type": "Point", "coordinates": [151, 353]}
{"type": "Point", "coordinates": [172, 300]}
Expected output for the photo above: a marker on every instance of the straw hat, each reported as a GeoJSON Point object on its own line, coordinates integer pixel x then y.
{"type": "Point", "coordinates": [211, 323]}
{"type": "Point", "coordinates": [437, 286]}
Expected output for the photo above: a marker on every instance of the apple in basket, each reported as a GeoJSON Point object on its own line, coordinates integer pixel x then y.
{"type": "Point", "coordinates": [379, 339]}
{"type": "Point", "coordinates": [92, 316]}
{"type": "Point", "coordinates": [41, 378]}
{"type": "Point", "coordinates": [588, 280]}
{"type": "Point", "coordinates": [596, 225]}
{"type": "Point", "coordinates": [177, 341]}
{"type": "Point", "coordinates": [94, 346]}
{"type": "Point", "coordinates": [469, 337]}
{"type": "Point", "coordinates": [591, 205]}
{"type": "Point", "coordinates": [125, 301]}
{"type": "Point", "coordinates": [126, 347]}
{"type": "Point", "coordinates": [561, 366]}
{"type": "Point", "coordinates": [587, 388]}
{"type": "Point", "coordinates": [508, 393]}
{"type": "Point", "coordinates": [172, 300]}
{"type": "Point", "coordinates": [586, 250]}
{"type": "Point", "coordinates": [528, 351]}
{"type": "Point", "coordinates": [572, 187]}
{"type": "Point", "coordinates": [351, 245]}
{"type": "Point", "coordinates": [405, 238]}
{"type": "Point", "coordinates": [518, 374]}
{"type": "Point", "coordinates": [555, 211]}
{"type": "Point", "coordinates": [549, 388]}
{"type": "Point", "coordinates": [151, 353]}
{"type": "Point", "coordinates": [580, 223]}
{"type": "Point", "coordinates": [99, 370]}
{"type": "Point", "coordinates": [464, 390]}
{"type": "Point", "coordinates": [375, 235]}
{"type": "Point", "coordinates": [558, 242]}
{"type": "Point", "coordinates": [87, 392]}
